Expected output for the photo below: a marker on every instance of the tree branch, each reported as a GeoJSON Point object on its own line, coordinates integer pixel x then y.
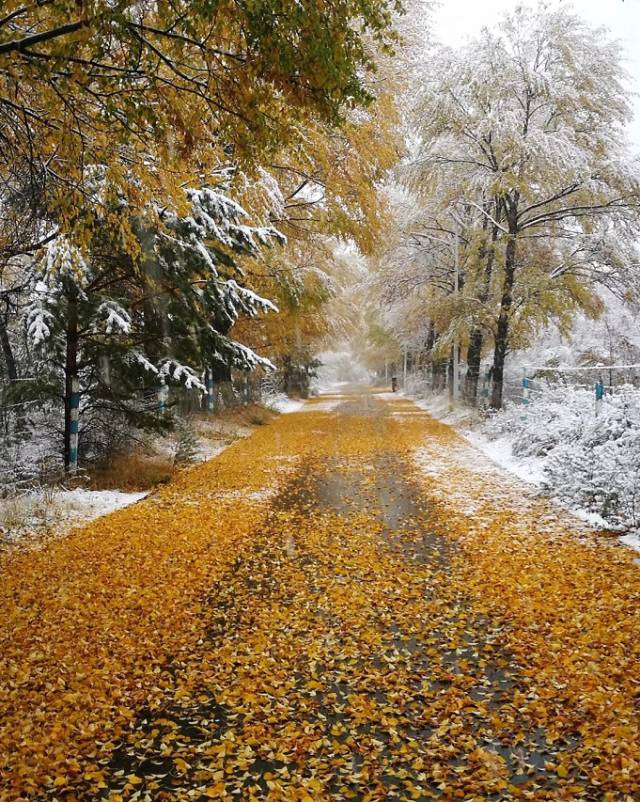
{"type": "Point", "coordinates": [22, 45]}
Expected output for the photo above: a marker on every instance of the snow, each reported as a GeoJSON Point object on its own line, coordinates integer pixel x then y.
{"type": "Point", "coordinates": [441, 408]}
{"type": "Point", "coordinates": [632, 540]}
{"type": "Point", "coordinates": [500, 451]}
{"type": "Point", "coordinates": [58, 509]}
{"type": "Point", "coordinates": [283, 404]}
{"type": "Point", "coordinates": [589, 464]}
{"type": "Point", "coordinates": [326, 405]}
{"type": "Point", "coordinates": [116, 319]}
{"type": "Point", "coordinates": [206, 449]}
{"type": "Point", "coordinates": [85, 505]}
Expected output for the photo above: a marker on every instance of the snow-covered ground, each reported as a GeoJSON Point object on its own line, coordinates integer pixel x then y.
{"type": "Point", "coordinates": [283, 404]}
{"type": "Point", "coordinates": [58, 509]}
{"type": "Point", "coordinates": [468, 423]}
{"type": "Point", "coordinates": [318, 403]}
{"type": "Point", "coordinates": [55, 509]}
{"type": "Point", "coordinates": [590, 464]}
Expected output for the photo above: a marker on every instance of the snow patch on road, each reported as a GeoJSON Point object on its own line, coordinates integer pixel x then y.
{"type": "Point", "coordinates": [255, 496]}
{"type": "Point", "coordinates": [324, 406]}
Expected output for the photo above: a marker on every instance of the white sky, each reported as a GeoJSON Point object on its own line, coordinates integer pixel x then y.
{"type": "Point", "coordinates": [457, 20]}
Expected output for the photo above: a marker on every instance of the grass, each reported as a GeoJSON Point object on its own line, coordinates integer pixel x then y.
{"type": "Point", "coordinates": [250, 415]}
{"type": "Point", "coordinates": [139, 471]}
{"type": "Point", "coordinates": [133, 472]}
{"type": "Point", "coordinates": [36, 509]}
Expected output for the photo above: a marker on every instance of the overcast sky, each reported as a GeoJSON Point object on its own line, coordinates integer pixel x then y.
{"type": "Point", "coordinates": [458, 19]}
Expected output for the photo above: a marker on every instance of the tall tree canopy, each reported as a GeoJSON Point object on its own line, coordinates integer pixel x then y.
{"type": "Point", "coordinates": [522, 156]}
{"type": "Point", "coordinates": [158, 90]}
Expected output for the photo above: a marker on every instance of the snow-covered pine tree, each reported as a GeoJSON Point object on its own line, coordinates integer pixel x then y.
{"type": "Point", "coordinates": [195, 265]}
{"type": "Point", "coordinates": [107, 322]}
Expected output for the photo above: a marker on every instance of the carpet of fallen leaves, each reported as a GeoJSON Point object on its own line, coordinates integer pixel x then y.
{"type": "Point", "coordinates": [351, 604]}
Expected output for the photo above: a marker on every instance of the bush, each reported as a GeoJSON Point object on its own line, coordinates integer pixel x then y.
{"type": "Point", "coordinates": [134, 471]}
{"type": "Point", "coordinates": [591, 462]}
{"type": "Point", "coordinates": [186, 440]}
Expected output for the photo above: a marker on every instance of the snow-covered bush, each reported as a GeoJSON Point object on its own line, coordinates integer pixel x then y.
{"type": "Point", "coordinates": [556, 414]}
{"type": "Point", "coordinates": [591, 461]}
{"type": "Point", "coordinates": [419, 385]}
{"type": "Point", "coordinates": [598, 467]}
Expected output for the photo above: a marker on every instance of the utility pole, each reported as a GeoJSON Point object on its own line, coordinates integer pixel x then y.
{"type": "Point", "coordinates": [404, 369]}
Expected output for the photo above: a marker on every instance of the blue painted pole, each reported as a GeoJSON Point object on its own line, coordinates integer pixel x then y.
{"type": "Point", "coordinates": [74, 409]}
{"type": "Point", "coordinates": [210, 398]}
{"type": "Point", "coordinates": [599, 388]}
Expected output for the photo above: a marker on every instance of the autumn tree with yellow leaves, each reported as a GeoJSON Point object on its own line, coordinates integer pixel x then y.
{"type": "Point", "coordinates": [522, 160]}
{"type": "Point", "coordinates": [115, 115]}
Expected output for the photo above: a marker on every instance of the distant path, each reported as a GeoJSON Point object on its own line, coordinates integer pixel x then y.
{"type": "Point", "coordinates": [330, 623]}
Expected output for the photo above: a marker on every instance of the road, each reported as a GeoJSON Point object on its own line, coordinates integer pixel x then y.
{"type": "Point", "coordinates": [344, 641]}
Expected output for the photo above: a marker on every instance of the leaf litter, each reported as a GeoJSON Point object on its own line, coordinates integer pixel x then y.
{"type": "Point", "coordinates": [361, 637]}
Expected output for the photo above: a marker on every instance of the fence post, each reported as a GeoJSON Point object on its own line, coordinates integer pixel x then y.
{"type": "Point", "coordinates": [74, 414]}
{"type": "Point", "coordinates": [599, 388]}
{"type": "Point", "coordinates": [163, 396]}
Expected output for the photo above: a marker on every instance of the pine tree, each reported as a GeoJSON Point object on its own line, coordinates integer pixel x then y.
{"type": "Point", "coordinates": [112, 325]}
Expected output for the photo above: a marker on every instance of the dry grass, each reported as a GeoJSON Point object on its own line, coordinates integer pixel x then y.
{"type": "Point", "coordinates": [23, 512]}
{"type": "Point", "coordinates": [140, 471]}
{"type": "Point", "coordinates": [132, 472]}
{"type": "Point", "coordinates": [249, 415]}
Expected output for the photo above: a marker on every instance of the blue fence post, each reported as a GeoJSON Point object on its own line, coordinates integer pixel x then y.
{"type": "Point", "coordinates": [525, 388]}
{"type": "Point", "coordinates": [74, 415]}
{"type": "Point", "coordinates": [599, 388]}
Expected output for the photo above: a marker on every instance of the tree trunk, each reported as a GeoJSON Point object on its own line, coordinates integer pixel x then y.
{"type": "Point", "coordinates": [70, 374]}
{"type": "Point", "coordinates": [222, 385]}
{"type": "Point", "coordinates": [12, 376]}
{"type": "Point", "coordinates": [450, 371]}
{"type": "Point", "coordinates": [7, 352]}
{"type": "Point", "coordinates": [502, 330]}
{"type": "Point", "coordinates": [474, 355]}
{"type": "Point", "coordinates": [474, 352]}
{"type": "Point", "coordinates": [431, 337]}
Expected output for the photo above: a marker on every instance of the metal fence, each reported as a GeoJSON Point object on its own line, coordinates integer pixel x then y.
{"type": "Point", "coordinates": [523, 386]}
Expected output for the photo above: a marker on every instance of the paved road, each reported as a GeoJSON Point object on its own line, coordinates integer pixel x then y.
{"type": "Point", "coordinates": [340, 659]}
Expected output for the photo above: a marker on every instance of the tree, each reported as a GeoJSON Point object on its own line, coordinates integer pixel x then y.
{"type": "Point", "coordinates": [133, 135]}
{"type": "Point", "coordinates": [526, 127]}
{"type": "Point", "coordinates": [324, 194]}
{"type": "Point", "coordinates": [168, 91]}
{"type": "Point", "coordinates": [102, 320]}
